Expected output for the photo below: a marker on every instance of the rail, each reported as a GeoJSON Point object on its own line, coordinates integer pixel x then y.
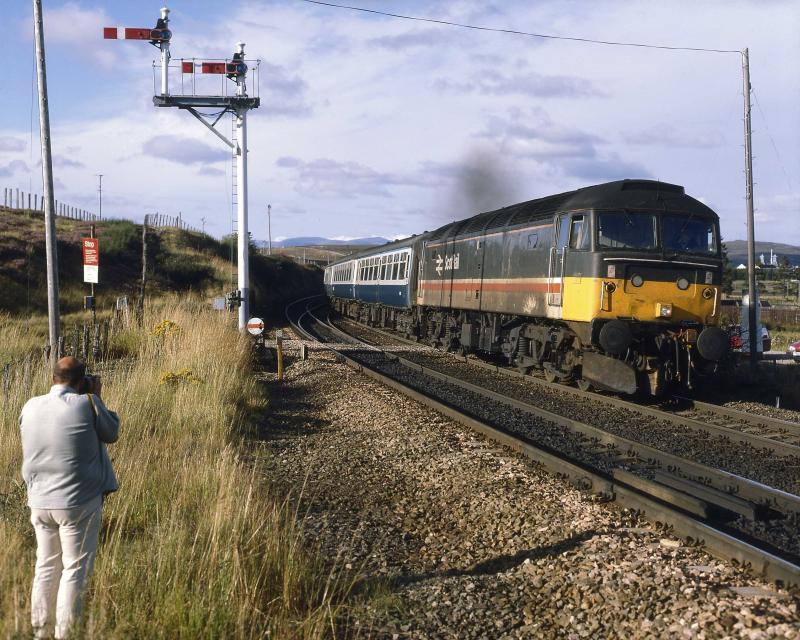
{"type": "Point", "coordinates": [630, 491]}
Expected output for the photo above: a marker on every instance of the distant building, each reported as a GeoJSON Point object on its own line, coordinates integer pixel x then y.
{"type": "Point", "coordinates": [773, 259]}
{"type": "Point", "coordinates": [742, 267]}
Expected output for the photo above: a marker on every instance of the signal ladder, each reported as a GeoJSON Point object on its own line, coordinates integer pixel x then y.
{"type": "Point", "coordinates": [234, 192]}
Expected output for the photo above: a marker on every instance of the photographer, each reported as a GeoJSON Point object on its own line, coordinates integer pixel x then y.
{"type": "Point", "coordinates": [67, 472]}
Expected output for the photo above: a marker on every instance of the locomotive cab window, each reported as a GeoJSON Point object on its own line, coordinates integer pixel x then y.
{"type": "Point", "coordinates": [686, 234]}
{"type": "Point", "coordinates": [624, 230]}
{"type": "Point", "coordinates": [579, 233]}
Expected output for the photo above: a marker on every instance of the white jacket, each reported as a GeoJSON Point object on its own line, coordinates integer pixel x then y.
{"type": "Point", "coordinates": [65, 463]}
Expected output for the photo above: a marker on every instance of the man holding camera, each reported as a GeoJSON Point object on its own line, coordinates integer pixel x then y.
{"type": "Point", "coordinates": [67, 472]}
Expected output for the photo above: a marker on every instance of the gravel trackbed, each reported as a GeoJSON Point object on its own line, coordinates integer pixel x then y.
{"type": "Point", "coordinates": [451, 536]}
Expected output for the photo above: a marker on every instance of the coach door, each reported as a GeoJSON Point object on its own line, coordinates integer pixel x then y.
{"type": "Point", "coordinates": [558, 257]}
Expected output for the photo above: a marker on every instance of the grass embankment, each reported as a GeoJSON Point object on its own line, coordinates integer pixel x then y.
{"type": "Point", "coordinates": [178, 261]}
{"type": "Point", "coordinates": [193, 544]}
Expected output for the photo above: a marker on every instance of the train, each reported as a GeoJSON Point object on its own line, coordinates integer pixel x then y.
{"type": "Point", "coordinates": [614, 286]}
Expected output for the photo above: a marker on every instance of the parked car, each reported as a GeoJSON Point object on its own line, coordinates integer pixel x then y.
{"type": "Point", "coordinates": [794, 351]}
{"type": "Point", "coordinates": [744, 337]}
{"type": "Point", "coordinates": [735, 333]}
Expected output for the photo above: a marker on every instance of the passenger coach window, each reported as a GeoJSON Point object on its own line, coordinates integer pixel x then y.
{"type": "Point", "coordinates": [626, 230]}
{"type": "Point", "coordinates": [579, 234]}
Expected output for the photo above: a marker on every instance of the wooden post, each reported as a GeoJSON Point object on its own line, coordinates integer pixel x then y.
{"type": "Point", "coordinates": [95, 342]}
{"type": "Point", "coordinates": [279, 349]}
{"type": "Point", "coordinates": [104, 350]}
{"type": "Point", "coordinates": [85, 343]}
{"type": "Point", "coordinates": [91, 288]}
{"type": "Point", "coordinates": [140, 304]}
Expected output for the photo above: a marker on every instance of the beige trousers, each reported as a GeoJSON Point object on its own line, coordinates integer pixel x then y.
{"type": "Point", "coordinates": [66, 545]}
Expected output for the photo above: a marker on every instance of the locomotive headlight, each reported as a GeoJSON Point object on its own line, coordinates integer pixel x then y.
{"type": "Point", "coordinates": [708, 293]}
{"type": "Point", "coordinates": [791, 347]}
{"type": "Point", "coordinates": [683, 284]}
{"type": "Point", "coordinates": [663, 310]}
{"type": "Point", "coordinates": [637, 280]}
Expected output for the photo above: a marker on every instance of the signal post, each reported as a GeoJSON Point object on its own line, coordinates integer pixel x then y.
{"type": "Point", "coordinates": [238, 104]}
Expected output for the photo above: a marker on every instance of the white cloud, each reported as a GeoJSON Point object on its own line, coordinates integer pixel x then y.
{"type": "Point", "coordinates": [11, 143]}
{"type": "Point", "coordinates": [12, 168]}
{"type": "Point", "coordinates": [183, 150]}
{"type": "Point", "coordinates": [370, 126]}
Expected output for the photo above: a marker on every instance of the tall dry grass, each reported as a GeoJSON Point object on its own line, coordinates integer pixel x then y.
{"type": "Point", "coordinates": [193, 545]}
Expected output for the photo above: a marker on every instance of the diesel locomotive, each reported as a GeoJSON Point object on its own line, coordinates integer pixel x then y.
{"type": "Point", "coordinates": [615, 286]}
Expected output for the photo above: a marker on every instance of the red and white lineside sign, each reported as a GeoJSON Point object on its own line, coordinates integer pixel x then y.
{"type": "Point", "coordinates": [91, 260]}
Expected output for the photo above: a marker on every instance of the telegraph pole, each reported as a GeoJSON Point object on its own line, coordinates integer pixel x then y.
{"type": "Point", "coordinates": [203, 222]}
{"type": "Point", "coordinates": [269, 229]}
{"type": "Point", "coordinates": [100, 190]}
{"type": "Point", "coordinates": [751, 238]}
{"type": "Point", "coordinates": [47, 185]}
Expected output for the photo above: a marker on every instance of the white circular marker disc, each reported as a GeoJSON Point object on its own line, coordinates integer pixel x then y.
{"type": "Point", "coordinates": [255, 326]}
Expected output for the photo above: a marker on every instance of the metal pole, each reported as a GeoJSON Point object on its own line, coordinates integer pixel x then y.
{"type": "Point", "coordinates": [751, 239]}
{"type": "Point", "coordinates": [243, 257]}
{"type": "Point", "coordinates": [243, 268]}
{"type": "Point", "coordinates": [269, 227]}
{"type": "Point", "coordinates": [165, 56]}
{"type": "Point", "coordinates": [47, 180]}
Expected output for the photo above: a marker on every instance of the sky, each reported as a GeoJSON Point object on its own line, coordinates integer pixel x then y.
{"type": "Point", "coordinates": [372, 125]}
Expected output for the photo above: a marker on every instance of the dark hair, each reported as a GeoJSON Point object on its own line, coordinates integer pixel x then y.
{"type": "Point", "coordinates": [69, 371]}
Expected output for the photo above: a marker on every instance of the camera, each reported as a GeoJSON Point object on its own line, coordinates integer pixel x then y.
{"type": "Point", "coordinates": [90, 383]}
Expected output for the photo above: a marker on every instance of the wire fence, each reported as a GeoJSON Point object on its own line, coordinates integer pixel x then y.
{"type": "Point", "coordinates": [88, 342]}
{"type": "Point", "coordinates": [162, 221]}
{"type": "Point", "coordinates": [18, 200]}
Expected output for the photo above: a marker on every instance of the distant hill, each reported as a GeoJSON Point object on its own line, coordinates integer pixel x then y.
{"type": "Point", "coordinates": [315, 242]}
{"type": "Point", "coordinates": [737, 251]}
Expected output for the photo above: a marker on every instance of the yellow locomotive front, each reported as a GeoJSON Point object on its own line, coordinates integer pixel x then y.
{"type": "Point", "coordinates": [647, 295]}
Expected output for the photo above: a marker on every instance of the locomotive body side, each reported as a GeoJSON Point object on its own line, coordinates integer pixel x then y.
{"type": "Point", "coordinates": [615, 285]}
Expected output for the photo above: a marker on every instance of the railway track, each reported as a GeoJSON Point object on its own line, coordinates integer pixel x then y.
{"type": "Point", "coordinates": [736, 518]}
{"type": "Point", "coordinates": [781, 437]}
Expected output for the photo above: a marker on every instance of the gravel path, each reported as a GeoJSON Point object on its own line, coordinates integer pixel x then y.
{"type": "Point", "coordinates": [454, 537]}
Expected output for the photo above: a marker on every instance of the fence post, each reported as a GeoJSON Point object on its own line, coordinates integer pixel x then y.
{"type": "Point", "coordinates": [6, 379]}
{"type": "Point", "coordinates": [96, 343]}
{"type": "Point", "coordinates": [85, 342]}
{"type": "Point", "coordinates": [105, 338]}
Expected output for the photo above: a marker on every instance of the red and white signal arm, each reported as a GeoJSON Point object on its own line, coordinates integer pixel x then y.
{"type": "Point", "coordinates": [255, 326]}
{"type": "Point", "coordinates": [136, 33]}
{"type": "Point", "coordinates": [91, 260]}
